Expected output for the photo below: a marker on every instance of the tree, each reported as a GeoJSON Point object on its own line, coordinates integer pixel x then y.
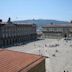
{"type": "Point", "coordinates": [51, 23]}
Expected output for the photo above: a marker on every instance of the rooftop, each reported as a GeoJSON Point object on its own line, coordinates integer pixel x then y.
{"type": "Point", "coordinates": [17, 24]}
{"type": "Point", "coordinates": [58, 25]}
{"type": "Point", "coordinates": [13, 61]}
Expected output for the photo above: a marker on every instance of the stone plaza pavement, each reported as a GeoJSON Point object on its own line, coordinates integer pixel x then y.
{"type": "Point", "coordinates": [58, 51]}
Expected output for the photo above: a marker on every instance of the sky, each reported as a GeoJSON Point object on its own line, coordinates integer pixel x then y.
{"type": "Point", "coordinates": [36, 9]}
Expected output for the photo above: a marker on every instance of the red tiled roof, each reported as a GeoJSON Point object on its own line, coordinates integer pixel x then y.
{"type": "Point", "coordinates": [12, 61]}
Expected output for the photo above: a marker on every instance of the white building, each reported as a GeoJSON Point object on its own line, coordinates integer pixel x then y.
{"type": "Point", "coordinates": [57, 30]}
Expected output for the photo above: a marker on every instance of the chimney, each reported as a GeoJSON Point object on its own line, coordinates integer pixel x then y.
{"type": "Point", "coordinates": [0, 20]}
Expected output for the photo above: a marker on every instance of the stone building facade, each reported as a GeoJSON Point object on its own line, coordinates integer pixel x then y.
{"type": "Point", "coordinates": [11, 33]}
{"type": "Point", "coordinates": [57, 30]}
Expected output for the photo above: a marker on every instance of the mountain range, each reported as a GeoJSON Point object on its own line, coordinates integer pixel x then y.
{"type": "Point", "coordinates": [41, 22]}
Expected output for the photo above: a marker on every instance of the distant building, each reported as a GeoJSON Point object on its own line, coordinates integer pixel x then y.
{"type": "Point", "coordinates": [57, 30]}
{"type": "Point", "coordinates": [12, 61]}
{"type": "Point", "coordinates": [12, 33]}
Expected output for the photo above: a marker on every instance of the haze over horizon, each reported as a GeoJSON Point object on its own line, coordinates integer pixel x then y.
{"type": "Point", "coordinates": [36, 9]}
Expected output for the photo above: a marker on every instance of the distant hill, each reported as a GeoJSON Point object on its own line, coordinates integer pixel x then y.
{"type": "Point", "coordinates": [41, 22]}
